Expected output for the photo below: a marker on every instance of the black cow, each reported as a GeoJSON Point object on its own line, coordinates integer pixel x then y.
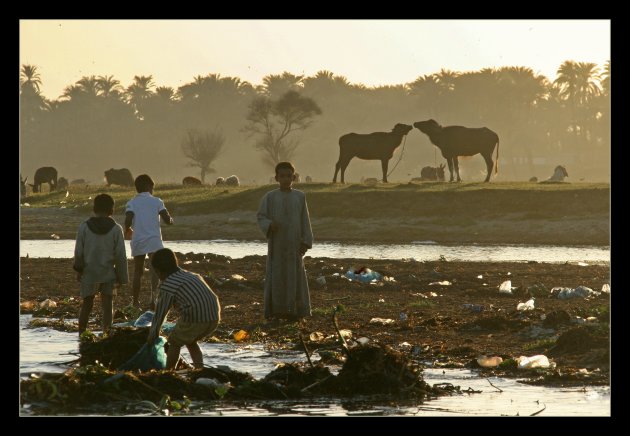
{"type": "Point", "coordinates": [62, 183]}
{"type": "Point", "coordinates": [45, 175]}
{"type": "Point", "coordinates": [372, 146]}
{"type": "Point", "coordinates": [120, 177]}
{"type": "Point", "coordinates": [432, 173]}
{"type": "Point", "coordinates": [454, 141]}
{"type": "Point", "coordinates": [191, 181]}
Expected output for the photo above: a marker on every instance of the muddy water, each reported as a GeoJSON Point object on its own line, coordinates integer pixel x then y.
{"type": "Point", "coordinates": [43, 349]}
{"type": "Point", "coordinates": [420, 251]}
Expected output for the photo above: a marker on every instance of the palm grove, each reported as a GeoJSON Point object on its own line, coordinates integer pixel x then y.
{"type": "Point", "coordinates": [227, 126]}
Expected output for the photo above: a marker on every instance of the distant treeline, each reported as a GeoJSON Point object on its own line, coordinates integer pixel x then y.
{"type": "Point", "coordinates": [98, 124]}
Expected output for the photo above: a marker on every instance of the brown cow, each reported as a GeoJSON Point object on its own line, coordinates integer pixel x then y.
{"type": "Point", "coordinates": [191, 181]}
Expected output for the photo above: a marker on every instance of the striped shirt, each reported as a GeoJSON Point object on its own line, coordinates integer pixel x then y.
{"type": "Point", "coordinates": [190, 295]}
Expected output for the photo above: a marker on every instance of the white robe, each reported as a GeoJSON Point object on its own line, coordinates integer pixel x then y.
{"type": "Point", "coordinates": [286, 286]}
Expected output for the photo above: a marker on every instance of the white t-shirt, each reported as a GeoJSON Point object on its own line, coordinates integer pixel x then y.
{"type": "Point", "coordinates": [147, 235]}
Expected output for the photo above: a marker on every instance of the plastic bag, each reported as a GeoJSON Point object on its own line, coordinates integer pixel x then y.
{"type": "Point", "coordinates": [148, 357]}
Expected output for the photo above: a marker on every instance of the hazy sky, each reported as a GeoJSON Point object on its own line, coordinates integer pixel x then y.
{"type": "Point", "coordinates": [372, 52]}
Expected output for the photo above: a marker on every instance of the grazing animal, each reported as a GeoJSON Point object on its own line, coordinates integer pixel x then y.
{"type": "Point", "coordinates": [232, 181]}
{"type": "Point", "coordinates": [371, 146]}
{"type": "Point", "coordinates": [23, 186]}
{"type": "Point", "coordinates": [309, 179]}
{"type": "Point", "coordinates": [432, 173]}
{"type": "Point", "coordinates": [370, 181]}
{"type": "Point", "coordinates": [454, 141]}
{"type": "Point", "coordinates": [45, 175]}
{"type": "Point", "coordinates": [120, 177]}
{"type": "Point", "coordinates": [533, 179]}
{"type": "Point", "coordinates": [220, 181]}
{"type": "Point", "coordinates": [191, 181]}
{"type": "Point", "coordinates": [559, 173]}
{"type": "Point", "coordinates": [62, 183]}
{"type": "Point", "coordinates": [78, 182]}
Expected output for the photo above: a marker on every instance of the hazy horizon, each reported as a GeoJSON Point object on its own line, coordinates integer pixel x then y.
{"type": "Point", "coordinates": [369, 52]}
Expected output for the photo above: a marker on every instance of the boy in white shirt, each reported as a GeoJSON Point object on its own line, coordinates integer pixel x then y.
{"type": "Point", "coordinates": [142, 227]}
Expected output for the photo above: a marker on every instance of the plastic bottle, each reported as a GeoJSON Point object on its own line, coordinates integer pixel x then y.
{"type": "Point", "coordinates": [144, 320]}
{"type": "Point", "coordinates": [537, 361]}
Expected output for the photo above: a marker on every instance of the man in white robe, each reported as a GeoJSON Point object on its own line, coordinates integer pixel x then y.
{"type": "Point", "coordinates": [283, 218]}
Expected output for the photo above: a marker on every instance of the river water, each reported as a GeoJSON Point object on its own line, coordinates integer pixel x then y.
{"type": "Point", "coordinates": [43, 349]}
{"type": "Point", "coordinates": [420, 251]}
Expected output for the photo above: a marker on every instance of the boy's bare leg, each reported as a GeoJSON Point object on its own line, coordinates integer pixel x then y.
{"type": "Point", "coordinates": [154, 282]}
{"type": "Point", "coordinates": [138, 270]}
{"type": "Point", "coordinates": [172, 356]}
{"type": "Point", "coordinates": [107, 301]}
{"type": "Point", "coordinates": [84, 315]}
{"type": "Point", "coordinates": [195, 353]}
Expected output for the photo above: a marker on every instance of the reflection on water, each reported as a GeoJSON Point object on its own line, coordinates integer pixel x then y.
{"type": "Point", "coordinates": [420, 251]}
{"type": "Point", "coordinates": [43, 349]}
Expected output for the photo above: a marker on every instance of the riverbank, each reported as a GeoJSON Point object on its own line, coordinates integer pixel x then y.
{"type": "Point", "coordinates": [430, 322]}
{"type": "Point", "coordinates": [490, 213]}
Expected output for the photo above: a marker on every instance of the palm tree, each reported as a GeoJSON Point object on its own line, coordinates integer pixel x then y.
{"type": "Point", "coordinates": [276, 85]}
{"type": "Point", "coordinates": [578, 85]}
{"type": "Point", "coordinates": [108, 86]}
{"type": "Point", "coordinates": [29, 77]}
{"type": "Point", "coordinates": [428, 91]}
{"type": "Point", "coordinates": [139, 91]}
{"type": "Point", "coordinates": [606, 78]}
{"type": "Point", "coordinates": [32, 103]}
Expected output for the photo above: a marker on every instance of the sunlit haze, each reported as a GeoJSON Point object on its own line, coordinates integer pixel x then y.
{"type": "Point", "coordinates": [372, 52]}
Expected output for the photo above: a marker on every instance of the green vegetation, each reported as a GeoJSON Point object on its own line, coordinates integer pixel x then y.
{"type": "Point", "coordinates": [459, 203]}
{"type": "Point", "coordinates": [540, 344]}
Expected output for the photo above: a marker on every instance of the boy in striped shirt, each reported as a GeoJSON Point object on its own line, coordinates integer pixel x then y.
{"type": "Point", "coordinates": [198, 306]}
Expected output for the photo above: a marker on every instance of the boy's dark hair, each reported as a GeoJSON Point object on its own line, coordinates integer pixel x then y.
{"type": "Point", "coordinates": [143, 183]}
{"type": "Point", "coordinates": [283, 165]}
{"type": "Point", "coordinates": [165, 260]}
{"type": "Point", "coordinates": [103, 203]}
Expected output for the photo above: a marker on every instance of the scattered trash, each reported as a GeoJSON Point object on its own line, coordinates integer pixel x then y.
{"type": "Point", "coordinates": [363, 274]}
{"type": "Point", "coordinates": [606, 288]}
{"type": "Point", "coordinates": [238, 277]}
{"type": "Point", "coordinates": [402, 316]}
{"type": "Point", "coordinates": [528, 305]}
{"type": "Point", "coordinates": [506, 287]}
{"type": "Point", "coordinates": [382, 321]}
{"type": "Point", "coordinates": [489, 362]}
{"type": "Point", "coordinates": [363, 340]}
{"type": "Point", "coordinates": [47, 304]}
{"type": "Point", "coordinates": [316, 336]}
{"type": "Point", "coordinates": [582, 264]}
{"type": "Point", "coordinates": [240, 335]}
{"type": "Point", "coordinates": [321, 280]}
{"type": "Point", "coordinates": [144, 320]}
{"type": "Point", "coordinates": [381, 300]}
{"type": "Point", "coordinates": [26, 204]}
{"type": "Point", "coordinates": [442, 283]}
{"type": "Point", "coordinates": [538, 361]}
{"type": "Point", "coordinates": [55, 236]}
{"type": "Point", "coordinates": [345, 333]}
{"type": "Point", "coordinates": [579, 292]}
{"type": "Point", "coordinates": [212, 383]}
{"type": "Point", "coordinates": [230, 306]}
{"type": "Point", "coordinates": [404, 345]}
{"type": "Point", "coordinates": [480, 276]}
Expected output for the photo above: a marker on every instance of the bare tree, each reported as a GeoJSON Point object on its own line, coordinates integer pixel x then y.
{"type": "Point", "coordinates": [274, 120]}
{"type": "Point", "coordinates": [202, 148]}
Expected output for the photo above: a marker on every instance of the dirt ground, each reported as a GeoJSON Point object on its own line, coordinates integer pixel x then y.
{"type": "Point", "coordinates": [431, 322]}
